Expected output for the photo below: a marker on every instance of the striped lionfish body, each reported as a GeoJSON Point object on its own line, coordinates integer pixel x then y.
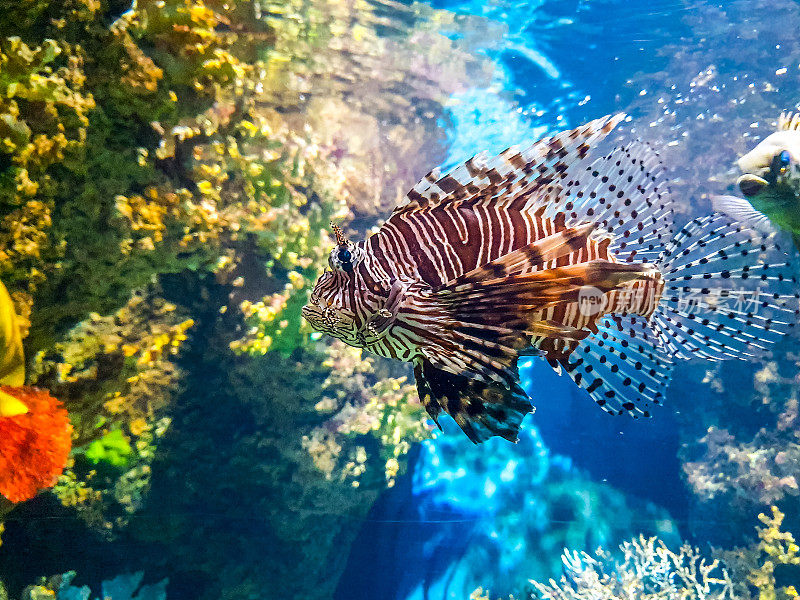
{"type": "Point", "coordinates": [550, 251]}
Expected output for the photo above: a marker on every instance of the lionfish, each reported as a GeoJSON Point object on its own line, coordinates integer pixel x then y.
{"type": "Point", "coordinates": [548, 251]}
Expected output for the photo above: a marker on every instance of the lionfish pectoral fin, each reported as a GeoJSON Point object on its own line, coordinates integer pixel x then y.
{"type": "Point", "coordinates": [510, 299]}
{"type": "Point", "coordinates": [491, 322]}
{"type": "Point", "coordinates": [481, 409]}
{"type": "Point", "coordinates": [554, 329]}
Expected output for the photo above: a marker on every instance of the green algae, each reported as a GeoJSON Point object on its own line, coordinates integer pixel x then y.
{"type": "Point", "coordinates": [112, 449]}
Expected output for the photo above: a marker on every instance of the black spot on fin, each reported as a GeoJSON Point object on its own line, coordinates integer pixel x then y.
{"type": "Point", "coordinates": [730, 291]}
{"type": "Point", "coordinates": [481, 409]}
{"type": "Point", "coordinates": [626, 195]}
{"type": "Point", "coordinates": [622, 366]}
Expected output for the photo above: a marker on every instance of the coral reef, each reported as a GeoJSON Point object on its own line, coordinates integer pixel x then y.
{"type": "Point", "coordinates": [357, 401]}
{"type": "Point", "coordinates": [781, 549]}
{"type": "Point", "coordinates": [648, 570]}
{"type": "Point", "coordinates": [760, 565]}
{"type": "Point", "coordinates": [117, 371]}
{"type": "Point", "coordinates": [168, 169]}
{"type": "Point", "coordinates": [122, 587]}
{"type": "Point", "coordinates": [754, 467]}
{"type": "Point", "coordinates": [747, 457]}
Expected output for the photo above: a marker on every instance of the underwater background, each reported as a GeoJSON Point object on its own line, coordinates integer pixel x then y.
{"type": "Point", "coordinates": [168, 171]}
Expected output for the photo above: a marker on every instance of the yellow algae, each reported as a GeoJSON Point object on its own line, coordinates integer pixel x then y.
{"type": "Point", "coordinates": [387, 409]}
{"type": "Point", "coordinates": [781, 549]}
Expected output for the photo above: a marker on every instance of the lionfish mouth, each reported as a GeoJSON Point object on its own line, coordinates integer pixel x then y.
{"type": "Point", "coordinates": [312, 314]}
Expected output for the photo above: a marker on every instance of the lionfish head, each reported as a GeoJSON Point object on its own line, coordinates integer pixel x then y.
{"type": "Point", "coordinates": [327, 310]}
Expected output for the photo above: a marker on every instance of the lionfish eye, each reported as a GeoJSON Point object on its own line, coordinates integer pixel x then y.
{"type": "Point", "coordinates": [345, 256]}
{"type": "Point", "coordinates": [785, 157]}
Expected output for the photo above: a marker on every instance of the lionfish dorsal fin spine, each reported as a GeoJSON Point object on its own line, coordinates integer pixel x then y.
{"type": "Point", "coordinates": [536, 165]}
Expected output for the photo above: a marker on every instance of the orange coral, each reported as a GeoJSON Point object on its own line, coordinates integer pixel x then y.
{"type": "Point", "coordinates": [34, 446]}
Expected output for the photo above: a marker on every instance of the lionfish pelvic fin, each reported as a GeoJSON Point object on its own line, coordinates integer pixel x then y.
{"type": "Point", "coordinates": [481, 409]}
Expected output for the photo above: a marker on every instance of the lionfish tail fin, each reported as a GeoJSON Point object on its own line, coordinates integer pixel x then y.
{"type": "Point", "coordinates": [726, 289]}
{"type": "Point", "coordinates": [730, 291]}
{"type": "Point", "coordinates": [481, 409]}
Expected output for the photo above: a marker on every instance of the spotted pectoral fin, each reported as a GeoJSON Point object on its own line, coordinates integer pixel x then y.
{"type": "Point", "coordinates": [481, 409]}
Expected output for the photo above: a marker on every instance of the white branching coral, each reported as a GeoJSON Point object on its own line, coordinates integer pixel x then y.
{"type": "Point", "coordinates": [649, 570]}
